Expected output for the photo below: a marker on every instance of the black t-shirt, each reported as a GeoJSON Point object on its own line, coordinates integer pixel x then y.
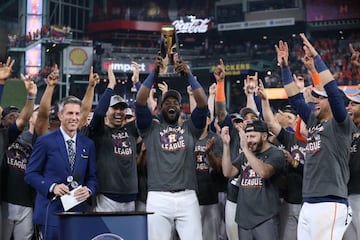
{"type": "Point", "coordinates": [15, 189]}
{"type": "Point", "coordinates": [293, 192]}
{"type": "Point", "coordinates": [208, 192]}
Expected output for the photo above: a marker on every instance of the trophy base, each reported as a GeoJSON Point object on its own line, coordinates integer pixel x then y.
{"type": "Point", "coordinates": [169, 75]}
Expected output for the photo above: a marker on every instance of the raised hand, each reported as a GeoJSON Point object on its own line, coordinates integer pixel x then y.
{"type": "Point", "coordinates": [136, 72]}
{"type": "Point", "coordinates": [309, 63]}
{"type": "Point", "coordinates": [159, 64]}
{"type": "Point", "coordinates": [251, 83]}
{"type": "Point", "coordinates": [30, 86]}
{"type": "Point", "coordinates": [181, 67]}
{"type": "Point", "coordinates": [282, 51]}
{"type": "Point", "coordinates": [299, 82]}
{"type": "Point", "coordinates": [5, 69]}
{"type": "Point", "coordinates": [261, 91]}
{"type": "Point", "coordinates": [111, 77]}
{"type": "Point", "coordinates": [308, 47]}
{"type": "Point", "coordinates": [210, 144]}
{"type": "Point", "coordinates": [212, 89]}
{"type": "Point", "coordinates": [163, 87]}
{"type": "Point", "coordinates": [219, 72]}
{"type": "Point", "coordinates": [225, 136]}
{"type": "Point", "coordinates": [53, 78]}
{"type": "Point", "coordinates": [243, 139]}
{"type": "Point", "coordinates": [355, 56]}
{"type": "Point", "coordinates": [93, 77]}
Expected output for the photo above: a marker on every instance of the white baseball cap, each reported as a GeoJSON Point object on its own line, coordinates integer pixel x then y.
{"type": "Point", "coordinates": [354, 98]}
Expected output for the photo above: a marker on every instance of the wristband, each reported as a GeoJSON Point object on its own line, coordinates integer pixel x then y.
{"type": "Point", "coordinates": [28, 97]}
{"type": "Point", "coordinates": [149, 80]}
{"type": "Point", "coordinates": [286, 75]}
{"type": "Point", "coordinates": [193, 82]}
{"type": "Point", "coordinates": [319, 64]}
{"type": "Point", "coordinates": [316, 78]}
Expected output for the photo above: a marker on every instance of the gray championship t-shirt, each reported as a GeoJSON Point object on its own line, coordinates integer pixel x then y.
{"type": "Point", "coordinates": [258, 198]}
{"type": "Point", "coordinates": [116, 159]}
{"type": "Point", "coordinates": [326, 170]}
{"type": "Point", "coordinates": [170, 155]}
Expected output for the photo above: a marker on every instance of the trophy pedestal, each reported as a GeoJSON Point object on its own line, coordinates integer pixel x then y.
{"type": "Point", "coordinates": [93, 226]}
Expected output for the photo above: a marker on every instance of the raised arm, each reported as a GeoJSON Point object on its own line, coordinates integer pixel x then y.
{"type": "Point", "coordinates": [211, 100]}
{"type": "Point", "coordinates": [220, 99]}
{"type": "Point", "coordinates": [282, 51]}
{"type": "Point", "coordinates": [336, 100]}
{"type": "Point", "coordinates": [295, 98]}
{"type": "Point", "coordinates": [310, 65]}
{"type": "Point", "coordinates": [197, 89]}
{"type": "Point", "coordinates": [229, 170]}
{"type": "Point", "coordinates": [191, 98]}
{"type": "Point", "coordinates": [214, 160]}
{"type": "Point", "coordinates": [143, 114]}
{"type": "Point", "coordinates": [42, 121]}
{"type": "Point", "coordinates": [144, 91]}
{"type": "Point", "coordinates": [5, 72]}
{"type": "Point", "coordinates": [268, 115]}
{"type": "Point", "coordinates": [250, 87]}
{"type": "Point", "coordinates": [88, 97]}
{"type": "Point", "coordinates": [27, 110]}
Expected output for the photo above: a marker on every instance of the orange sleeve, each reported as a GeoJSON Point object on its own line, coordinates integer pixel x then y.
{"type": "Point", "coordinates": [316, 78]}
{"type": "Point", "coordinates": [220, 92]}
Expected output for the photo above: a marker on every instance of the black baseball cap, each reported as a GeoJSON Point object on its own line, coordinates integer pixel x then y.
{"type": "Point", "coordinates": [288, 109]}
{"type": "Point", "coordinates": [257, 126]}
{"type": "Point", "coordinates": [9, 110]}
{"type": "Point", "coordinates": [171, 93]}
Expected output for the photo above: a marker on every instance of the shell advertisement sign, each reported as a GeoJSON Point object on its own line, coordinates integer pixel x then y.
{"type": "Point", "coordinates": [78, 60]}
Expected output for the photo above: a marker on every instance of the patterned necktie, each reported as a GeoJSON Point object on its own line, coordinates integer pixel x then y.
{"type": "Point", "coordinates": [71, 152]}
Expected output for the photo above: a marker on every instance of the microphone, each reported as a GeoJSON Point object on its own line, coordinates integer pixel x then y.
{"type": "Point", "coordinates": [72, 181]}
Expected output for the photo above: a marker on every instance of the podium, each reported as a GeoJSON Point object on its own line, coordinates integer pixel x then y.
{"type": "Point", "coordinates": [103, 226]}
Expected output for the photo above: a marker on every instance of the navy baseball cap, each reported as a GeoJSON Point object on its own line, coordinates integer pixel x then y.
{"type": "Point", "coordinates": [9, 110]}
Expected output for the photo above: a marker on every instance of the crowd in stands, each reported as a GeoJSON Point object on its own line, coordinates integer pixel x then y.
{"type": "Point", "coordinates": [54, 32]}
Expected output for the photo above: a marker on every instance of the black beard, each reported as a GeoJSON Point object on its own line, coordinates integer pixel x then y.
{"type": "Point", "coordinates": [259, 146]}
{"type": "Point", "coordinates": [170, 120]}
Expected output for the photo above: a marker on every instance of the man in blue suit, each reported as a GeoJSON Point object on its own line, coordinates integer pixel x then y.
{"type": "Point", "coordinates": [50, 169]}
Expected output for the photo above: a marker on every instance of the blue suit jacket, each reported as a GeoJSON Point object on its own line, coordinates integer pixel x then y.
{"type": "Point", "coordinates": [49, 163]}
